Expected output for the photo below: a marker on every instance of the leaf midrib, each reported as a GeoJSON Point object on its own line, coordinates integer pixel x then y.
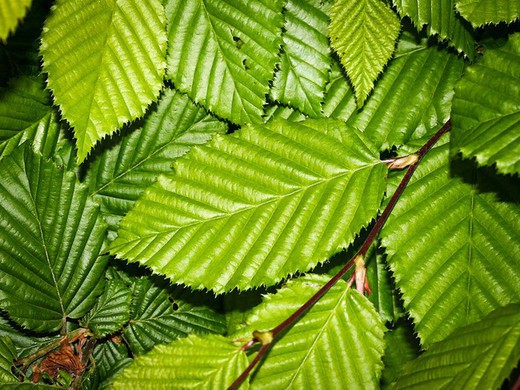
{"type": "Point", "coordinates": [268, 201]}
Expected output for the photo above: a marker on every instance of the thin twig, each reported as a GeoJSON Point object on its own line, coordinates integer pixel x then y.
{"type": "Point", "coordinates": [374, 232]}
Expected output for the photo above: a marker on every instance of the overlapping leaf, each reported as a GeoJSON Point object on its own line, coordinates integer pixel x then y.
{"type": "Point", "coordinates": [481, 12]}
{"type": "Point", "coordinates": [120, 174]}
{"type": "Point", "coordinates": [363, 33]}
{"type": "Point", "coordinates": [105, 61]}
{"type": "Point", "coordinates": [7, 356]}
{"type": "Point", "coordinates": [26, 114]}
{"type": "Point", "coordinates": [157, 318]}
{"type": "Point", "coordinates": [337, 344]}
{"type": "Point", "coordinates": [208, 362]}
{"type": "Point", "coordinates": [445, 239]}
{"type": "Point", "coordinates": [51, 237]}
{"type": "Point", "coordinates": [110, 357]}
{"type": "Point", "coordinates": [253, 207]}
{"type": "Point", "coordinates": [477, 356]}
{"type": "Point", "coordinates": [440, 18]}
{"type": "Point", "coordinates": [223, 53]}
{"type": "Point", "coordinates": [11, 12]}
{"type": "Point", "coordinates": [486, 109]}
{"type": "Point", "coordinates": [305, 60]}
{"type": "Point", "coordinates": [111, 311]}
{"type": "Point", "coordinates": [410, 100]}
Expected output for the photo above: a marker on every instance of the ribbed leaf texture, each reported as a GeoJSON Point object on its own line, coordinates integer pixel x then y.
{"type": "Point", "coordinates": [49, 254]}
{"type": "Point", "coordinates": [253, 207]}
{"type": "Point", "coordinates": [157, 318]}
{"type": "Point", "coordinates": [441, 19]}
{"type": "Point", "coordinates": [385, 118]}
{"type": "Point", "coordinates": [276, 111]}
{"type": "Point", "coordinates": [454, 250]}
{"type": "Point", "coordinates": [222, 53]}
{"type": "Point", "coordinates": [486, 109]}
{"type": "Point", "coordinates": [26, 114]}
{"type": "Point", "coordinates": [478, 356]}
{"type": "Point", "coordinates": [383, 295]}
{"type": "Point", "coordinates": [482, 12]}
{"type": "Point", "coordinates": [7, 356]}
{"type": "Point", "coordinates": [110, 357]}
{"type": "Point", "coordinates": [105, 62]}
{"type": "Point", "coordinates": [305, 59]}
{"type": "Point", "coordinates": [338, 344]}
{"type": "Point", "coordinates": [11, 12]}
{"type": "Point", "coordinates": [120, 174]}
{"type": "Point", "coordinates": [111, 311]}
{"type": "Point", "coordinates": [363, 33]}
{"type": "Point", "coordinates": [208, 362]}
{"type": "Point", "coordinates": [25, 344]}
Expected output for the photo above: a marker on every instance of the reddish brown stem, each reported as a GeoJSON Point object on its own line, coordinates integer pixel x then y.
{"type": "Point", "coordinates": [374, 232]}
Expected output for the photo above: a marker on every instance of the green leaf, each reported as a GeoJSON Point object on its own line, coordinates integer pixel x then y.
{"type": "Point", "coordinates": [383, 295]}
{"type": "Point", "coordinates": [258, 205]}
{"type": "Point", "coordinates": [7, 356]}
{"type": "Point", "coordinates": [222, 53]}
{"type": "Point", "coordinates": [400, 347]}
{"type": "Point", "coordinates": [363, 33]}
{"type": "Point", "coordinates": [121, 173]}
{"type": "Point", "coordinates": [305, 59]}
{"type": "Point", "coordinates": [486, 109]}
{"type": "Point", "coordinates": [477, 356]}
{"type": "Point", "coordinates": [110, 357]}
{"type": "Point", "coordinates": [105, 62]}
{"type": "Point", "coordinates": [453, 250]}
{"type": "Point", "coordinates": [410, 100]}
{"type": "Point", "coordinates": [111, 311]}
{"type": "Point", "coordinates": [339, 341]}
{"type": "Point", "coordinates": [208, 362]}
{"type": "Point", "coordinates": [32, 119]}
{"type": "Point", "coordinates": [482, 12]}
{"type": "Point", "coordinates": [158, 318]}
{"type": "Point", "coordinates": [49, 254]}
{"type": "Point", "coordinates": [11, 12]}
{"type": "Point", "coordinates": [441, 20]}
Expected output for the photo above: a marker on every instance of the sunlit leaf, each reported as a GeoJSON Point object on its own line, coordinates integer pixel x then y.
{"type": "Point", "coordinates": [481, 12]}
{"type": "Point", "coordinates": [105, 62]}
{"type": "Point", "coordinates": [253, 207]}
{"type": "Point", "coordinates": [207, 362]}
{"type": "Point", "coordinates": [363, 33]}
{"type": "Point", "coordinates": [222, 53]}
{"type": "Point", "coordinates": [11, 12]}
{"type": "Point", "coordinates": [486, 109]}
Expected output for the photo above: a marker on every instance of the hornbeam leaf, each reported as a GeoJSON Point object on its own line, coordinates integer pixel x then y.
{"type": "Point", "coordinates": [105, 62]}
{"type": "Point", "coordinates": [194, 362]}
{"type": "Point", "coordinates": [253, 207]}
{"type": "Point", "coordinates": [363, 33]}
{"type": "Point", "coordinates": [337, 344]}
{"type": "Point", "coordinates": [478, 356]}
{"type": "Point", "coordinates": [7, 356]}
{"type": "Point", "coordinates": [454, 251]}
{"type": "Point", "coordinates": [51, 237]}
{"type": "Point", "coordinates": [305, 60]}
{"type": "Point", "coordinates": [276, 111]}
{"type": "Point", "coordinates": [120, 174]}
{"type": "Point", "coordinates": [11, 12]}
{"type": "Point", "coordinates": [111, 311]}
{"type": "Point", "coordinates": [222, 53]}
{"type": "Point", "coordinates": [384, 117]}
{"type": "Point", "coordinates": [482, 12]}
{"type": "Point", "coordinates": [110, 357]}
{"type": "Point", "coordinates": [26, 114]}
{"type": "Point", "coordinates": [486, 109]}
{"type": "Point", "coordinates": [158, 318]}
{"type": "Point", "coordinates": [440, 18]}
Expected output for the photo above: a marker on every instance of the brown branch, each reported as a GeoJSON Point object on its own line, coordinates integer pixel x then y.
{"type": "Point", "coordinates": [412, 162]}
